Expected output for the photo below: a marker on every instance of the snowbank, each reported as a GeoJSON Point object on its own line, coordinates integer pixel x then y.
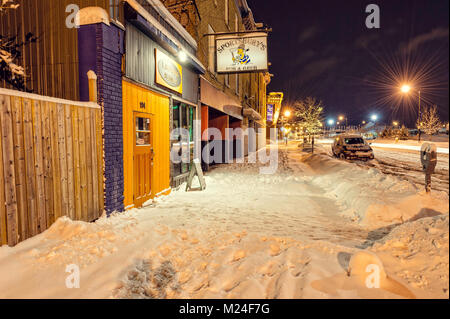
{"type": "Point", "coordinates": [372, 198]}
{"type": "Point", "coordinates": [418, 252]}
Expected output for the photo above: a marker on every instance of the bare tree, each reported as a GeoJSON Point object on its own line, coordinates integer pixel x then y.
{"type": "Point", "coordinates": [7, 4]}
{"type": "Point", "coordinates": [429, 121]}
{"type": "Point", "coordinates": [11, 51]}
{"type": "Point", "coordinates": [308, 113]}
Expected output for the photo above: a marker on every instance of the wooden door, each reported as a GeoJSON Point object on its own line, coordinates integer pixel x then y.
{"type": "Point", "coordinates": [142, 158]}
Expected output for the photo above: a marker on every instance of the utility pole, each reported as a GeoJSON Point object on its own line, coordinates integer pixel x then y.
{"type": "Point", "coordinates": [420, 118]}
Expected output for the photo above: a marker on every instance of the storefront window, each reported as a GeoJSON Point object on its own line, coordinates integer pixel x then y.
{"type": "Point", "coordinates": [183, 117]}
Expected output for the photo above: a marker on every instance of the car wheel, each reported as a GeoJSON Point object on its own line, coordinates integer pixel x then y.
{"type": "Point", "coordinates": [342, 156]}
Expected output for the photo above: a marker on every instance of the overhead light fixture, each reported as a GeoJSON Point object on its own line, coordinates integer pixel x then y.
{"type": "Point", "coordinates": [182, 56]}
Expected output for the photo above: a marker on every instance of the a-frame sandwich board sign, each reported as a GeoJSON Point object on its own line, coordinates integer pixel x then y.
{"type": "Point", "coordinates": [196, 170]}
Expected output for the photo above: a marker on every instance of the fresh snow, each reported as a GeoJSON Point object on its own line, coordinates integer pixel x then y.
{"type": "Point", "coordinates": [307, 231]}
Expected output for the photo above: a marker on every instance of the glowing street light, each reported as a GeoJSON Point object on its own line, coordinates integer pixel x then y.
{"type": "Point", "coordinates": [374, 117]}
{"type": "Point", "coordinates": [363, 122]}
{"type": "Point", "coordinates": [330, 122]}
{"type": "Point", "coordinates": [395, 123]}
{"type": "Point", "coordinates": [287, 113]}
{"type": "Point", "coordinates": [406, 88]}
{"type": "Point", "coordinates": [342, 118]}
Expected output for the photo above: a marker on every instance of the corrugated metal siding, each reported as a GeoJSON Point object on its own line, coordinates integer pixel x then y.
{"type": "Point", "coordinates": [190, 85]}
{"type": "Point", "coordinates": [140, 57]}
{"type": "Point", "coordinates": [140, 63]}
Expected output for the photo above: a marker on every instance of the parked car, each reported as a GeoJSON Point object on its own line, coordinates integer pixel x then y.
{"type": "Point", "coordinates": [351, 146]}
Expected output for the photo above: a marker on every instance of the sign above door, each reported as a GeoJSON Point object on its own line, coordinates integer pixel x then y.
{"type": "Point", "coordinates": [168, 72]}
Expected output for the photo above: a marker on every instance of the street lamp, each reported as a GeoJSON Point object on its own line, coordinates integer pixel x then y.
{"type": "Point", "coordinates": [405, 89]}
{"type": "Point", "coordinates": [330, 122]}
{"type": "Point", "coordinates": [342, 118]}
{"type": "Point", "coordinates": [285, 131]}
{"type": "Point", "coordinates": [395, 123]}
{"type": "Point", "coordinates": [374, 117]}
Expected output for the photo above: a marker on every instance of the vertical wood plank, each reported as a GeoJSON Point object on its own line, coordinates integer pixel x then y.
{"type": "Point", "coordinates": [55, 161]}
{"type": "Point", "coordinates": [83, 168]}
{"type": "Point", "coordinates": [69, 155]}
{"type": "Point", "coordinates": [76, 164]}
{"type": "Point", "coordinates": [39, 165]}
{"type": "Point", "coordinates": [48, 166]}
{"type": "Point", "coordinates": [3, 235]}
{"type": "Point", "coordinates": [87, 127]}
{"type": "Point", "coordinates": [19, 163]}
{"type": "Point", "coordinates": [100, 168]}
{"type": "Point", "coordinates": [8, 170]}
{"type": "Point", "coordinates": [62, 155]}
{"type": "Point", "coordinates": [30, 166]}
{"type": "Point", "coordinates": [95, 201]}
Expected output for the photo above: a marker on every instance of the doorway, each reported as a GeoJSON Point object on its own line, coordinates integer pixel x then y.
{"type": "Point", "coordinates": [143, 155]}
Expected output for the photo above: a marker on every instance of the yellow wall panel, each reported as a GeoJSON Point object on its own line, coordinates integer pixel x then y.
{"type": "Point", "coordinates": [158, 106]}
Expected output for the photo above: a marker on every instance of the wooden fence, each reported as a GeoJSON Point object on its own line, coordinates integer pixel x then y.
{"type": "Point", "coordinates": [51, 163]}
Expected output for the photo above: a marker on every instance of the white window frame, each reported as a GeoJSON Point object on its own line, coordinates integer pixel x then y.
{"type": "Point", "coordinates": [227, 13]}
{"type": "Point", "coordinates": [211, 49]}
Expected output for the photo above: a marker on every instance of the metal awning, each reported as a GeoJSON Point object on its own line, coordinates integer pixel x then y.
{"type": "Point", "coordinates": [251, 114]}
{"type": "Point", "coordinates": [217, 99]}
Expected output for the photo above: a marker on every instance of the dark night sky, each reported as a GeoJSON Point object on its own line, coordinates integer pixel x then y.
{"type": "Point", "coordinates": [322, 48]}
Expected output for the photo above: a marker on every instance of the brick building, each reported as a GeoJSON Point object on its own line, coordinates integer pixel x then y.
{"type": "Point", "coordinates": [229, 100]}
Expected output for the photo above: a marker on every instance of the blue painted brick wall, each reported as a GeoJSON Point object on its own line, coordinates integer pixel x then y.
{"type": "Point", "coordinates": [109, 41]}
{"type": "Point", "coordinates": [100, 48]}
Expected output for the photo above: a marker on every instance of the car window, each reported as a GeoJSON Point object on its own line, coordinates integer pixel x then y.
{"type": "Point", "coordinates": [354, 140]}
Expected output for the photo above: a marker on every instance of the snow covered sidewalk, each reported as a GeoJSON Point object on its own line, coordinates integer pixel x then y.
{"type": "Point", "coordinates": [294, 234]}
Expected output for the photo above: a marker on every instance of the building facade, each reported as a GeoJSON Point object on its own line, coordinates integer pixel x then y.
{"type": "Point", "coordinates": [227, 100]}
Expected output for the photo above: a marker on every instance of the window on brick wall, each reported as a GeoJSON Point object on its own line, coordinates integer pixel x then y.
{"type": "Point", "coordinates": [226, 12]}
{"type": "Point", "coordinates": [211, 48]}
{"type": "Point", "coordinates": [114, 9]}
